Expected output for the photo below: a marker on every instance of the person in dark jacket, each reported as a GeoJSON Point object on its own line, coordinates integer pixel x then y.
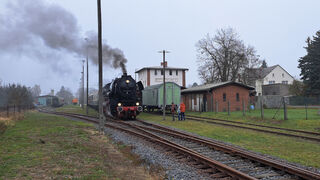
{"type": "Point", "coordinates": [173, 110]}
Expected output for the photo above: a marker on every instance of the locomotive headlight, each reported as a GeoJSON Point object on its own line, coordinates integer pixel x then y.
{"type": "Point", "coordinates": [119, 104]}
{"type": "Point", "coordinates": [137, 103]}
{"type": "Point", "coordinates": [127, 81]}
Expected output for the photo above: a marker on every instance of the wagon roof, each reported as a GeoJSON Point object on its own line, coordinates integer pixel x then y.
{"type": "Point", "coordinates": [209, 87]}
{"type": "Point", "coordinates": [159, 85]}
{"type": "Point", "coordinates": [161, 67]}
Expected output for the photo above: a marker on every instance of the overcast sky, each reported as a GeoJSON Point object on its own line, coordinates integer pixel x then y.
{"type": "Point", "coordinates": [140, 28]}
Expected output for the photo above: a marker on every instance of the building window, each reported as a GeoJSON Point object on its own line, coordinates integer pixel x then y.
{"type": "Point", "coordinates": [272, 74]}
{"type": "Point", "coordinates": [237, 97]}
{"type": "Point", "coordinates": [162, 72]}
{"type": "Point", "coordinates": [282, 75]}
{"type": "Point", "coordinates": [155, 72]}
{"type": "Point", "coordinates": [224, 97]}
{"type": "Point", "coordinates": [177, 72]}
{"type": "Point", "coordinates": [170, 72]}
{"type": "Point", "coordinates": [284, 82]}
{"type": "Point", "coordinates": [271, 82]}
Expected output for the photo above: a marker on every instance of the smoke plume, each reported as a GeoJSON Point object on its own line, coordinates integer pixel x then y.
{"type": "Point", "coordinates": [46, 31]}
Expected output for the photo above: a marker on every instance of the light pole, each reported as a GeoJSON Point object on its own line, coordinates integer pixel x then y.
{"type": "Point", "coordinates": [164, 64]}
{"type": "Point", "coordinates": [86, 39]}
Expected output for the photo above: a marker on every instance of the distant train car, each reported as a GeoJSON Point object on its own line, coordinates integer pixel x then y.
{"type": "Point", "coordinates": [152, 96]}
{"type": "Point", "coordinates": [75, 101]}
{"type": "Point", "coordinates": [123, 97]}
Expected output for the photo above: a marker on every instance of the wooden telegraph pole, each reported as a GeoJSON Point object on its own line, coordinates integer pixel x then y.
{"type": "Point", "coordinates": [164, 82]}
{"type": "Point", "coordinates": [101, 116]}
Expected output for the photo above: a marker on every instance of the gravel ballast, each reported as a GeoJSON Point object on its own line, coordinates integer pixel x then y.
{"type": "Point", "coordinates": [156, 157]}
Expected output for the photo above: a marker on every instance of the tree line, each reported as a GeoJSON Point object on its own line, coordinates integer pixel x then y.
{"type": "Point", "coordinates": [15, 94]}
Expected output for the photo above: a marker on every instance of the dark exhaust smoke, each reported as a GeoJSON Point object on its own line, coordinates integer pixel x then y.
{"type": "Point", "coordinates": [44, 31]}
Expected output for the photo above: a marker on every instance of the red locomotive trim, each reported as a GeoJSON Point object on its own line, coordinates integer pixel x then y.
{"type": "Point", "coordinates": [127, 108]}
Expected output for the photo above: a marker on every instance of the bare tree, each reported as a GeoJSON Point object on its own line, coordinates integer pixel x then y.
{"type": "Point", "coordinates": [35, 90]}
{"type": "Point", "coordinates": [224, 57]}
{"type": "Point", "coordinates": [297, 88]}
{"type": "Point", "coordinates": [66, 94]}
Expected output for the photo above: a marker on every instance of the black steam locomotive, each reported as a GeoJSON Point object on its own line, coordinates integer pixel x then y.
{"type": "Point", "coordinates": [123, 97]}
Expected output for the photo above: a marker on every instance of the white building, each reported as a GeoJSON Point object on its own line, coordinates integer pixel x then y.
{"type": "Point", "coordinates": [154, 75]}
{"type": "Point", "coordinates": [269, 75]}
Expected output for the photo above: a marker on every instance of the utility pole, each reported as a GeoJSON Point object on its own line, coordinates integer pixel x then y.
{"type": "Point", "coordinates": [87, 78]}
{"type": "Point", "coordinates": [82, 92]}
{"type": "Point", "coordinates": [101, 116]}
{"type": "Point", "coordinates": [164, 82]}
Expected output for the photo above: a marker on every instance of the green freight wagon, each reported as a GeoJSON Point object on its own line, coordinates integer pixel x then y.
{"type": "Point", "coordinates": [152, 96]}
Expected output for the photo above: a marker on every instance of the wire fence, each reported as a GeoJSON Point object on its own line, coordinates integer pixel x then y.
{"type": "Point", "coordinates": [269, 107]}
{"type": "Point", "coordinates": [285, 107]}
{"type": "Point", "coordinates": [304, 101]}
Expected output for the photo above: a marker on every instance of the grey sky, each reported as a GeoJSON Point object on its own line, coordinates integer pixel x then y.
{"type": "Point", "coordinates": [277, 29]}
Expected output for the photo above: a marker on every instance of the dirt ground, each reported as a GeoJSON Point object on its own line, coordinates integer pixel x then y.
{"type": "Point", "coordinates": [44, 146]}
{"type": "Point", "coordinates": [125, 165]}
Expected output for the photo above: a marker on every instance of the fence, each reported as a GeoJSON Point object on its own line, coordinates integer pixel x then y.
{"type": "Point", "coordinates": [304, 101]}
{"type": "Point", "coordinates": [9, 110]}
{"type": "Point", "coordinates": [274, 107]}
{"type": "Point", "coordinates": [282, 103]}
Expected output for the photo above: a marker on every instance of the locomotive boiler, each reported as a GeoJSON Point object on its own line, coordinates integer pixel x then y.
{"type": "Point", "coordinates": [123, 97]}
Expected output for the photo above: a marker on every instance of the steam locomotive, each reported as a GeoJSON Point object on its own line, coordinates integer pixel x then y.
{"type": "Point", "coordinates": [123, 97]}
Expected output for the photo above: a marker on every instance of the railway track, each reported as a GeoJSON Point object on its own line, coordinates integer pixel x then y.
{"type": "Point", "coordinates": [257, 125]}
{"type": "Point", "coordinates": [307, 135]}
{"type": "Point", "coordinates": [219, 160]}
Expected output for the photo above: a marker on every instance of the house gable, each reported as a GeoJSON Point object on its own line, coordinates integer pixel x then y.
{"type": "Point", "coordinates": [278, 76]}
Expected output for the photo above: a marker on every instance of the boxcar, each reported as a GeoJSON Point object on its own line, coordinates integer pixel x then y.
{"type": "Point", "coordinates": [152, 96]}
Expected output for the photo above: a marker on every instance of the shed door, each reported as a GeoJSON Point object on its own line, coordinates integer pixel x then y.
{"type": "Point", "coordinates": [204, 103]}
{"type": "Point", "coordinates": [192, 103]}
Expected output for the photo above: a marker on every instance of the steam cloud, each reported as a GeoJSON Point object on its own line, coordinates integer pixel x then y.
{"type": "Point", "coordinates": [29, 23]}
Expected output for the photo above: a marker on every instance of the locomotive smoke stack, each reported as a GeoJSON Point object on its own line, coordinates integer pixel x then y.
{"type": "Point", "coordinates": [123, 67]}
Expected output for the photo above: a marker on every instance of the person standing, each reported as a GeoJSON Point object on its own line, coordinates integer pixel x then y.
{"type": "Point", "coordinates": [173, 110]}
{"type": "Point", "coordinates": [179, 113]}
{"type": "Point", "coordinates": [182, 110]}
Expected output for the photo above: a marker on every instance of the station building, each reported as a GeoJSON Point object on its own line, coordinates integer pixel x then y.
{"type": "Point", "coordinates": [47, 100]}
{"type": "Point", "coordinates": [217, 97]}
{"type": "Point", "coordinates": [154, 75]}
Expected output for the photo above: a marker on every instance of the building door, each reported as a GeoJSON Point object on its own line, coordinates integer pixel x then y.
{"type": "Point", "coordinates": [192, 102]}
{"type": "Point", "coordinates": [204, 103]}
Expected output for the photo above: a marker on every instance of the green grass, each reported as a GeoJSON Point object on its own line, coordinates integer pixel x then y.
{"type": "Point", "coordinates": [291, 149]}
{"type": "Point", "coordinates": [77, 109]}
{"type": "Point", "coordinates": [296, 118]}
{"type": "Point", "coordinates": [65, 154]}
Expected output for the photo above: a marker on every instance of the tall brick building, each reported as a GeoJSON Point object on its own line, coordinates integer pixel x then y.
{"type": "Point", "coordinates": [215, 97]}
